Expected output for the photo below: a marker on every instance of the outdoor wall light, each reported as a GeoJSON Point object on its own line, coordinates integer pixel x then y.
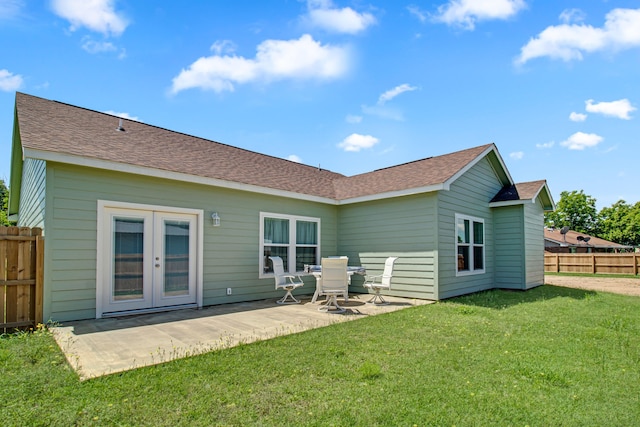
{"type": "Point", "coordinates": [215, 219]}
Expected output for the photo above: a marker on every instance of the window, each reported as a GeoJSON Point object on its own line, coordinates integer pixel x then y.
{"type": "Point", "coordinates": [295, 239]}
{"type": "Point", "coordinates": [469, 245]}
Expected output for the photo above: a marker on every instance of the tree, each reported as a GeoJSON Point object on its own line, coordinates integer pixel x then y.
{"type": "Point", "coordinates": [575, 210]}
{"type": "Point", "coordinates": [620, 223]}
{"type": "Point", "coordinates": [4, 203]}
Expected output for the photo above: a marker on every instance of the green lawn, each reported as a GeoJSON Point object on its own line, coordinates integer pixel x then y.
{"type": "Point", "coordinates": [551, 356]}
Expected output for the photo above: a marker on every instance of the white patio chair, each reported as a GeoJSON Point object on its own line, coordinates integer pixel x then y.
{"type": "Point", "coordinates": [284, 281]}
{"type": "Point", "coordinates": [380, 282]}
{"type": "Point", "coordinates": [333, 282]}
{"type": "Point", "coordinates": [318, 292]}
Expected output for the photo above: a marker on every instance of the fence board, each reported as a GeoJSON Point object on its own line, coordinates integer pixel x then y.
{"type": "Point", "coordinates": [594, 263]}
{"type": "Point", "coordinates": [11, 311]}
{"type": "Point", "coordinates": [3, 273]}
{"type": "Point", "coordinates": [21, 277]}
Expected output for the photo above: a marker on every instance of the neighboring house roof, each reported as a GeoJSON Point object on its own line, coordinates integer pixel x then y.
{"type": "Point", "coordinates": [554, 237]}
{"type": "Point", "coordinates": [59, 132]}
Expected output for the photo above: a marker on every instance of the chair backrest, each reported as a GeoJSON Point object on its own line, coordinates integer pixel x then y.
{"type": "Point", "coordinates": [334, 274]}
{"type": "Point", "coordinates": [387, 274]}
{"type": "Point", "coordinates": [278, 270]}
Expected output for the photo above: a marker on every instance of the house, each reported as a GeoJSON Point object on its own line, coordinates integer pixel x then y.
{"type": "Point", "coordinates": [569, 241]}
{"type": "Point", "coordinates": [138, 218]}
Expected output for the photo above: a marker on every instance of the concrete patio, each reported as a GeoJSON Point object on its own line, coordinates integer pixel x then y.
{"type": "Point", "coordinates": [106, 346]}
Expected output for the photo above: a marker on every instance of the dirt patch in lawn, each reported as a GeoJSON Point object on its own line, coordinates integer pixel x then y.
{"type": "Point", "coordinates": [626, 286]}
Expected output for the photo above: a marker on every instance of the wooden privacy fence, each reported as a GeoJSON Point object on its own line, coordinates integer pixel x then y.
{"type": "Point", "coordinates": [594, 263]}
{"type": "Point", "coordinates": [21, 277]}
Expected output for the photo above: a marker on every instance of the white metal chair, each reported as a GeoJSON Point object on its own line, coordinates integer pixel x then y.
{"type": "Point", "coordinates": [380, 282]}
{"type": "Point", "coordinates": [284, 281]}
{"type": "Point", "coordinates": [333, 282]}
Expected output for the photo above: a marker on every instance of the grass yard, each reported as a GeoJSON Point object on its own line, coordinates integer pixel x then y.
{"type": "Point", "coordinates": [551, 356]}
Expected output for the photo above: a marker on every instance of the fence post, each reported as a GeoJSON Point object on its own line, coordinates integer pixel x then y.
{"type": "Point", "coordinates": [593, 263]}
{"type": "Point", "coordinates": [39, 248]}
{"type": "Point", "coordinates": [557, 263]}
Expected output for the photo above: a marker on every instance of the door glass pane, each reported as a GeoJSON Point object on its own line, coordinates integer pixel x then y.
{"type": "Point", "coordinates": [176, 258]}
{"type": "Point", "coordinates": [128, 254]}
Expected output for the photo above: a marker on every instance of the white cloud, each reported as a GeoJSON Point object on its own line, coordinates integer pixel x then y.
{"type": "Point", "coordinates": [392, 93]}
{"type": "Point", "coordinates": [517, 155]}
{"type": "Point", "coordinates": [415, 11]}
{"type": "Point", "coordinates": [96, 15]}
{"type": "Point", "coordinates": [323, 15]}
{"type": "Point", "coordinates": [353, 119]}
{"type": "Point", "coordinates": [357, 142]}
{"type": "Point", "coordinates": [581, 140]}
{"type": "Point", "coordinates": [465, 13]}
{"type": "Point", "coordinates": [223, 46]}
{"type": "Point", "coordinates": [572, 15]}
{"type": "Point", "coordinates": [122, 115]}
{"type": "Point", "coordinates": [303, 58]}
{"type": "Point", "coordinates": [577, 117]}
{"type": "Point", "coordinates": [620, 108]}
{"type": "Point", "coordinates": [621, 30]}
{"type": "Point", "coordinates": [383, 112]}
{"type": "Point", "coordinates": [10, 8]}
{"type": "Point", "coordinates": [294, 158]}
{"type": "Point", "coordinates": [10, 82]}
{"type": "Point", "coordinates": [93, 46]}
{"type": "Point", "coordinates": [546, 145]}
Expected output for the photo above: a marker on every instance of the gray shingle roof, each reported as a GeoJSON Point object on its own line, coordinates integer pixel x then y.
{"type": "Point", "coordinates": [519, 191]}
{"type": "Point", "coordinates": [55, 127]}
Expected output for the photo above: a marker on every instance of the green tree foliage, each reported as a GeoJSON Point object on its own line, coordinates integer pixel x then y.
{"type": "Point", "coordinates": [620, 223]}
{"type": "Point", "coordinates": [4, 203]}
{"type": "Point", "coordinates": [575, 210]}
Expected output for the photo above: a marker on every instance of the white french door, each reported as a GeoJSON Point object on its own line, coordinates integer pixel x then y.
{"type": "Point", "coordinates": [149, 260]}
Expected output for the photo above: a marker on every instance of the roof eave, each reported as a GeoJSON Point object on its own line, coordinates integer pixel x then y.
{"type": "Point", "coordinates": [392, 194]}
{"type": "Point", "coordinates": [164, 174]}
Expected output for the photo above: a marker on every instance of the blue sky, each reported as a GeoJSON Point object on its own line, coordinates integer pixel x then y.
{"type": "Point", "coordinates": [351, 85]}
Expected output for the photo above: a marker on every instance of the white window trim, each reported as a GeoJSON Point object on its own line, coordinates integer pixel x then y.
{"type": "Point", "coordinates": [472, 219]}
{"type": "Point", "coordinates": [292, 243]}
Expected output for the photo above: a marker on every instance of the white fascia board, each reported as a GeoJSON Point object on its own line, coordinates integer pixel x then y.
{"type": "Point", "coordinates": [176, 176]}
{"type": "Point", "coordinates": [447, 183]}
{"type": "Point", "coordinates": [391, 194]}
{"type": "Point", "coordinates": [510, 203]}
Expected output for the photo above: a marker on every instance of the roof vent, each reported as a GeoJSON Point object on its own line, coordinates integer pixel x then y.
{"type": "Point", "coordinates": [120, 128]}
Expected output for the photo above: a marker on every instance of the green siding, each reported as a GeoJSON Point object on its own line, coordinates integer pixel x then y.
{"type": "Point", "coordinates": [32, 194]}
{"type": "Point", "coordinates": [419, 229]}
{"type": "Point", "coordinates": [404, 227]}
{"type": "Point", "coordinates": [509, 247]}
{"type": "Point", "coordinates": [468, 195]}
{"type": "Point", "coordinates": [230, 252]}
{"type": "Point", "coordinates": [534, 243]}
